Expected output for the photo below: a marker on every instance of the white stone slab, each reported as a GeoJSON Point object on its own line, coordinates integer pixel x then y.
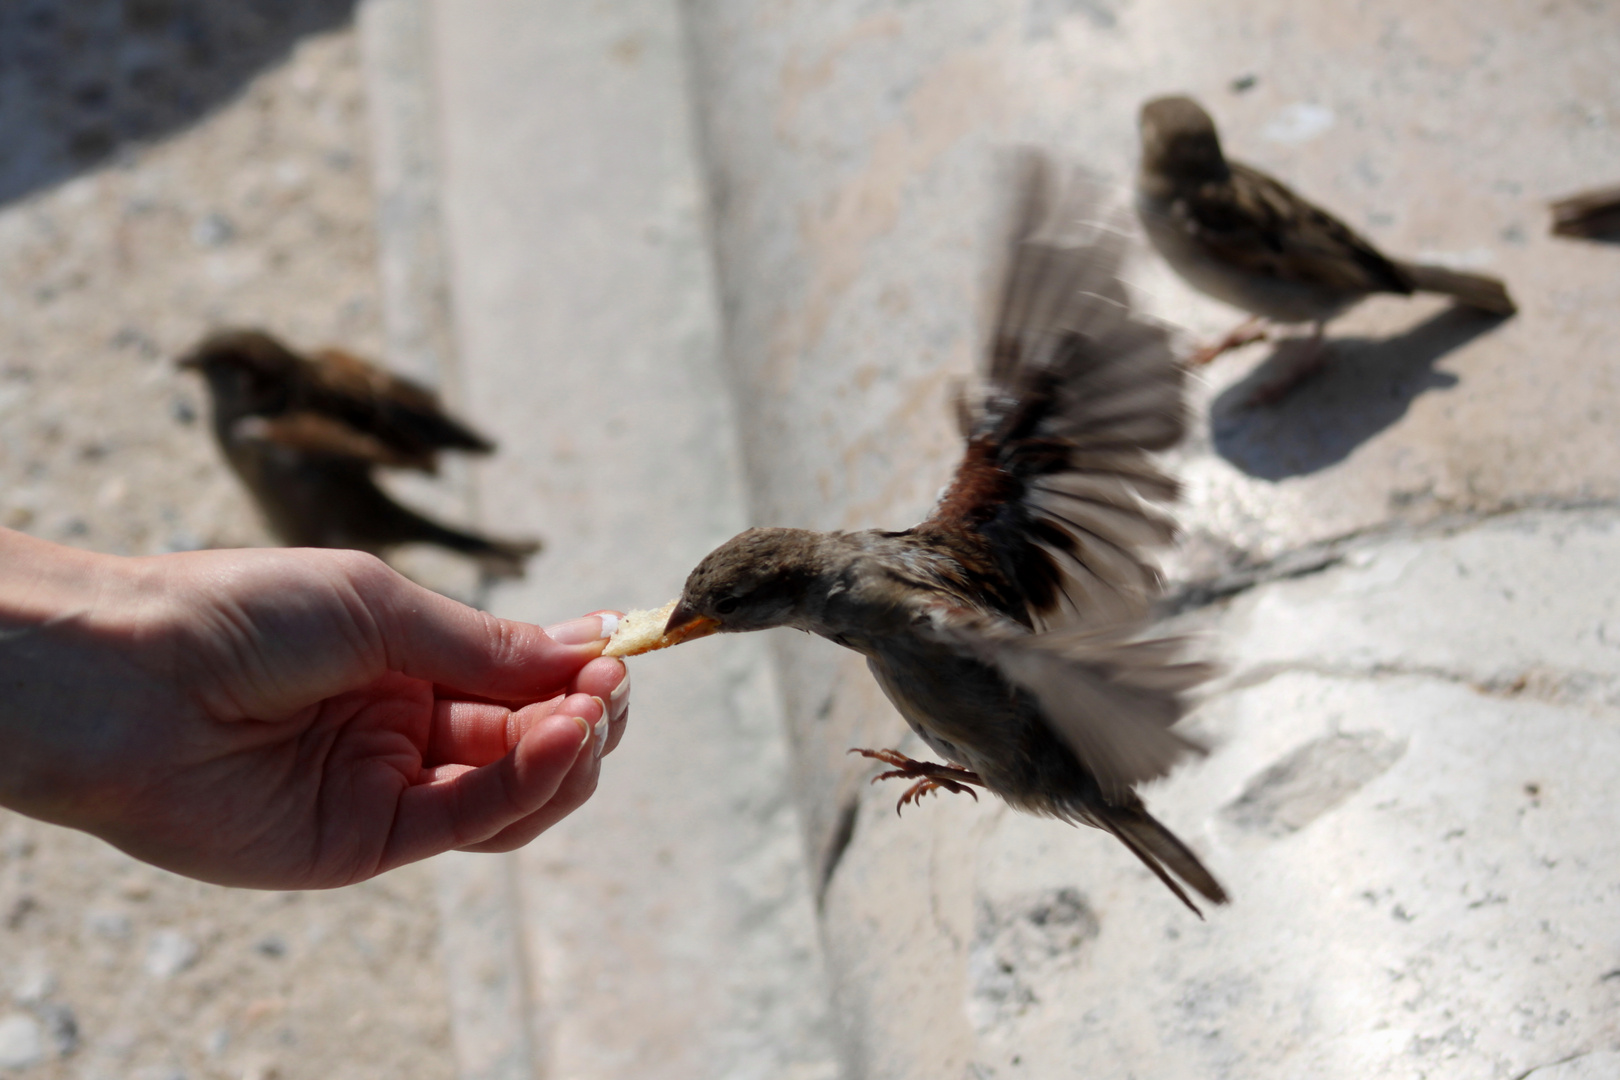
{"type": "Point", "coordinates": [669, 926]}
{"type": "Point", "coordinates": [851, 146]}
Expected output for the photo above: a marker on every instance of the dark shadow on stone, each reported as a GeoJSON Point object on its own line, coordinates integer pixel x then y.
{"type": "Point", "coordinates": [1364, 387]}
{"type": "Point", "coordinates": [81, 78]}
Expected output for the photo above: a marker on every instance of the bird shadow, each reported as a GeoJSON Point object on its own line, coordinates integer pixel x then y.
{"type": "Point", "coordinates": [79, 79]}
{"type": "Point", "coordinates": [1365, 385]}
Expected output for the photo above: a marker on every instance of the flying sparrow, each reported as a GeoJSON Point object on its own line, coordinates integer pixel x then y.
{"type": "Point", "coordinates": [1247, 239]}
{"type": "Point", "coordinates": [1591, 215]}
{"type": "Point", "coordinates": [1008, 628]}
{"type": "Point", "coordinates": [305, 432]}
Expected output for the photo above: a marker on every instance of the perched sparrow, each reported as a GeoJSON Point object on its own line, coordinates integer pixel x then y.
{"type": "Point", "coordinates": [304, 434]}
{"type": "Point", "coordinates": [1245, 238]}
{"type": "Point", "coordinates": [1006, 628]}
{"type": "Point", "coordinates": [1591, 215]}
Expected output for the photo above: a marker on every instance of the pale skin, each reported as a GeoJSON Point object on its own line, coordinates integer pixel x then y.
{"type": "Point", "coordinates": [288, 719]}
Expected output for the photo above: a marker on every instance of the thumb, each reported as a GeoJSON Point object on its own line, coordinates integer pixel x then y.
{"type": "Point", "coordinates": [428, 636]}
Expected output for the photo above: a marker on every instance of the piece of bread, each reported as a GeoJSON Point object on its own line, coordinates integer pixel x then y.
{"type": "Point", "coordinates": [641, 631]}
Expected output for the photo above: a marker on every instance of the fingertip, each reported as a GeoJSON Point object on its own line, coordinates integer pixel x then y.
{"type": "Point", "coordinates": [601, 727]}
{"type": "Point", "coordinates": [558, 740]}
{"type": "Point", "coordinates": [586, 630]}
{"type": "Point", "coordinates": [619, 696]}
{"type": "Point", "coordinates": [604, 677]}
{"type": "Point", "coordinates": [572, 791]}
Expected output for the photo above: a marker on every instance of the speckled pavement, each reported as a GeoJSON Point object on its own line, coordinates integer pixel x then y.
{"type": "Point", "coordinates": [169, 167]}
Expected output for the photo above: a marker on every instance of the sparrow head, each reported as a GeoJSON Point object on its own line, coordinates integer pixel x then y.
{"type": "Point", "coordinates": [755, 580]}
{"type": "Point", "coordinates": [1179, 142]}
{"type": "Point", "coordinates": [248, 371]}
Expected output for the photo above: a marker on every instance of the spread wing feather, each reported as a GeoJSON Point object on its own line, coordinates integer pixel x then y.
{"type": "Point", "coordinates": [1110, 697]}
{"type": "Point", "coordinates": [1056, 480]}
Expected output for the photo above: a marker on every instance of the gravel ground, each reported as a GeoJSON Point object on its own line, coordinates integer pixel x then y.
{"type": "Point", "coordinates": [170, 167]}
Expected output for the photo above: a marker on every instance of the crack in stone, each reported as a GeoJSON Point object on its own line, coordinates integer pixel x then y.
{"type": "Point", "coordinates": [1534, 684]}
{"type": "Point", "coordinates": [1530, 1072]}
{"type": "Point", "coordinates": [837, 845]}
{"type": "Point", "coordinates": [1320, 555]}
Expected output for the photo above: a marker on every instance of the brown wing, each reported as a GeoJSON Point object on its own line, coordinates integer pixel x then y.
{"type": "Point", "coordinates": [1056, 482]}
{"type": "Point", "coordinates": [391, 409]}
{"type": "Point", "coordinates": [1256, 223]}
{"type": "Point", "coordinates": [322, 435]}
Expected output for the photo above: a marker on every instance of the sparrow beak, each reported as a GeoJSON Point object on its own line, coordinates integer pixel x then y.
{"type": "Point", "coordinates": [685, 626]}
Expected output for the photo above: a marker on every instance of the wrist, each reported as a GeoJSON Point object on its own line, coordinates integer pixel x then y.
{"type": "Point", "coordinates": [57, 605]}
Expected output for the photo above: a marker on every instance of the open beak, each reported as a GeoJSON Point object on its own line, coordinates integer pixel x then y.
{"type": "Point", "coordinates": [685, 626]}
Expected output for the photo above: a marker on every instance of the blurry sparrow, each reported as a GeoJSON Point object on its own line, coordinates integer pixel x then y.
{"type": "Point", "coordinates": [1591, 215]}
{"type": "Point", "coordinates": [1247, 239]}
{"type": "Point", "coordinates": [305, 432]}
{"type": "Point", "coordinates": [1007, 627]}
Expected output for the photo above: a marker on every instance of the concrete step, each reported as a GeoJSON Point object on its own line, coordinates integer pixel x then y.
{"type": "Point", "coordinates": [852, 147]}
{"type": "Point", "coordinates": [1400, 798]}
{"type": "Point", "coordinates": [667, 929]}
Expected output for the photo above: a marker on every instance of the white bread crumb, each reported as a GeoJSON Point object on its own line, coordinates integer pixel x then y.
{"type": "Point", "coordinates": [641, 631]}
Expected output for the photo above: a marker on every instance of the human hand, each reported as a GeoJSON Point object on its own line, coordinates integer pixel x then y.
{"type": "Point", "coordinates": [288, 718]}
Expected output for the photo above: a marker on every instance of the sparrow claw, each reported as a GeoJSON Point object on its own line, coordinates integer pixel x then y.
{"type": "Point", "coordinates": [888, 757]}
{"type": "Point", "coordinates": [914, 794]}
{"type": "Point", "coordinates": [930, 776]}
{"type": "Point", "coordinates": [1251, 331]}
{"type": "Point", "coordinates": [1311, 358]}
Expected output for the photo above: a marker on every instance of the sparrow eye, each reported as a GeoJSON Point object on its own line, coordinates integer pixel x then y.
{"type": "Point", "coordinates": [728, 605]}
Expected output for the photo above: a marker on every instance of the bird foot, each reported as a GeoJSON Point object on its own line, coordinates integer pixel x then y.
{"type": "Point", "coordinates": [1313, 356]}
{"type": "Point", "coordinates": [930, 775]}
{"type": "Point", "coordinates": [1251, 331]}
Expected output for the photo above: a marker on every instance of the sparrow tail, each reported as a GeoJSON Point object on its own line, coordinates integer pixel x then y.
{"type": "Point", "coordinates": [1472, 290]}
{"type": "Point", "coordinates": [1158, 848]}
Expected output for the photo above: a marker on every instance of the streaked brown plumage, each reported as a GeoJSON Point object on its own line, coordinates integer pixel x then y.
{"type": "Point", "coordinates": [305, 432]}
{"type": "Point", "coordinates": [1249, 240]}
{"type": "Point", "coordinates": [1008, 627]}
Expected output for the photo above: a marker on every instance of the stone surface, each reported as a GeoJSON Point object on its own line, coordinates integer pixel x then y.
{"type": "Point", "coordinates": [225, 179]}
{"type": "Point", "coordinates": [21, 1042]}
{"type": "Point", "coordinates": [482, 939]}
{"type": "Point", "coordinates": [124, 967]}
{"type": "Point", "coordinates": [1585, 1067]}
{"type": "Point", "coordinates": [1400, 799]}
{"type": "Point", "coordinates": [669, 924]}
{"type": "Point", "coordinates": [851, 150]}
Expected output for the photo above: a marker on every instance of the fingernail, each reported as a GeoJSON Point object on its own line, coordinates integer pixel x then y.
{"type": "Point", "coordinates": [621, 697]}
{"type": "Point", "coordinates": [585, 731]}
{"type": "Point", "coordinates": [581, 631]}
{"type": "Point", "coordinates": [601, 728]}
